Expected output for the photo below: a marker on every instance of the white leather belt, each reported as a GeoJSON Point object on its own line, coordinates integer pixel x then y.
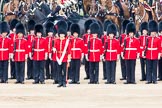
{"type": "Point", "coordinates": [75, 49]}
{"type": "Point", "coordinates": [38, 49]}
{"type": "Point", "coordinates": [20, 50]}
{"type": "Point", "coordinates": [3, 49]}
{"type": "Point", "coordinates": [131, 49]}
{"type": "Point", "coordinates": [94, 50]}
{"type": "Point", "coordinates": [111, 50]}
{"type": "Point", "coordinates": [152, 48]}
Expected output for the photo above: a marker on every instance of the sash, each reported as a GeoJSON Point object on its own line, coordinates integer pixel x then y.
{"type": "Point", "coordinates": [63, 54]}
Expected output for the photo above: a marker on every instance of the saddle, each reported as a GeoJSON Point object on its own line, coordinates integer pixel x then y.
{"type": "Point", "coordinates": [147, 7]}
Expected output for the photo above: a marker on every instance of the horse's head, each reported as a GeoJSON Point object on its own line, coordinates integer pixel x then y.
{"type": "Point", "coordinates": [15, 5]}
{"type": "Point", "coordinates": [94, 8]}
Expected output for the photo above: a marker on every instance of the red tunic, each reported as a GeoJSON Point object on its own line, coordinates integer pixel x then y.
{"type": "Point", "coordinates": [142, 40]}
{"type": "Point", "coordinates": [40, 48]}
{"type": "Point", "coordinates": [153, 48]}
{"type": "Point", "coordinates": [132, 48]}
{"type": "Point", "coordinates": [5, 48]}
{"type": "Point", "coordinates": [112, 49]}
{"type": "Point", "coordinates": [77, 48]}
{"type": "Point", "coordinates": [21, 49]}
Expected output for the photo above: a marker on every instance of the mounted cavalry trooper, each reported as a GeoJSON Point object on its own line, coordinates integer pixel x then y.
{"type": "Point", "coordinates": [94, 53]}
{"type": "Point", "coordinates": [30, 38]}
{"type": "Point", "coordinates": [63, 53]}
{"type": "Point", "coordinates": [77, 53]}
{"type": "Point", "coordinates": [122, 37]}
{"type": "Point", "coordinates": [152, 52]}
{"type": "Point", "coordinates": [86, 38]}
{"type": "Point", "coordinates": [142, 40]}
{"type": "Point", "coordinates": [130, 53]}
{"type": "Point", "coordinates": [5, 51]}
{"type": "Point", "coordinates": [20, 53]}
{"type": "Point", "coordinates": [39, 54]}
{"type": "Point", "coordinates": [160, 61]}
{"type": "Point", "coordinates": [13, 37]}
{"type": "Point", "coordinates": [111, 53]}
{"type": "Point", "coordinates": [103, 38]}
{"type": "Point", "coordinates": [49, 39]}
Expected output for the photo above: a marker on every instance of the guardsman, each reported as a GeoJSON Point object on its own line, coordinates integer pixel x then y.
{"type": "Point", "coordinates": [160, 61]}
{"type": "Point", "coordinates": [152, 53]}
{"type": "Point", "coordinates": [142, 40]}
{"type": "Point", "coordinates": [5, 51]}
{"type": "Point", "coordinates": [111, 53]}
{"type": "Point", "coordinates": [130, 52]}
{"type": "Point", "coordinates": [52, 56]}
{"type": "Point", "coordinates": [121, 40]}
{"type": "Point", "coordinates": [30, 38]}
{"type": "Point", "coordinates": [103, 38]}
{"type": "Point", "coordinates": [13, 37]}
{"type": "Point", "coordinates": [94, 53]}
{"type": "Point", "coordinates": [86, 38]}
{"type": "Point", "coordinates": [50, 34]}
{"type": "Point", "coordinates": [63, 54]}
{"type": "Point", "coordinates": [20, 53]}
{"type": "Point", "coordinates": [77, 53]}
{"type": "Point", "coordinates": [39, 54]}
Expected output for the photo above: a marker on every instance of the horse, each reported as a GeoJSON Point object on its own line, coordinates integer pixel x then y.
{"type": "Point", "coordinates": [10, 10]}
{"type": "Point", "coordinates": [158, 10]}
{"type": "Point", "coordinates": [142, 15]}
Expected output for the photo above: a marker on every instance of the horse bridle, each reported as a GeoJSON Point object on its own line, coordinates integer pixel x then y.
{"type": "Point", "coordinates": [138, 17]}
{"type": "Point", "coordinates": [97, 4]}
{"type": "Point", "coordinates": [9, 12]}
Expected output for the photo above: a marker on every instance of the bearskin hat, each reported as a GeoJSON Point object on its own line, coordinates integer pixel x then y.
{"type": "Point", "coordinates": [111, 29]}
{"type": "Point", "coordinates": [62, 25]}
{"type": "Point", "coordinates": [31, 25]}
{"type": "Point", "coordinates": [75, 28]}
{"type": "Point", "coordinates": [20, 28]}
{"type": "Point", "coordinates": [87, 24]}
{"type": "Point", "coordinates": [95, 28]}
{"type": "Point", "coordinates": [49, 27]}
{"type": "Point", "coordinates": [62, 31]}
{"type": "Point", "coordinates": [106, 24]}
{"type": "Point", "coordinates": [13, 23]}
{"type": "Point", "coordinates": [144, 26]}
{"type": "Point", "coordinates": [160, 26]}
{"type": "Point", "coordinates": [39, 28]}
{"type": "Point", "coordinates": [153, 26]}
{"type": "Point", "coordinates": [131, 28]}
{"type": "Point", "coordinates": [124, 25]}
{"type": "Point", "coordinates": [4, 27]}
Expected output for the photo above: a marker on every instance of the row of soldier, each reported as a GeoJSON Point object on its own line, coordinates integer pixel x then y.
{"type": "Point", "coordinates": [61, 51]}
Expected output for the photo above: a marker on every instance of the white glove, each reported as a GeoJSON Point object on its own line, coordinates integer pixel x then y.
{"type": "Point", "coordinates": [50, 56]}
{"type": "Point", "coordinates": [118, 57]}
{"type": "Point", "coordinates": [122, 55]}
{"type": "Point", "coordinates": [138, 55]}
{"type": "Point", "coordinates": [82, 56]}
{"type": "Point", "coordinates": [101, 57]}
{"type": "Point", "coordinates": [26, 57]}
{"type": "Point", "coordinates": [86, 56]}
{"type": "Point", "coordinates": [11, 55]}
{"type": "Point", "coordinates": [30, 56]}
{"type": "Point", "coordinates": [46, 56]}
{"type": "Point", "coordinates": [159, 56]}
{"type": "Point", "coordinates": [49, 15]}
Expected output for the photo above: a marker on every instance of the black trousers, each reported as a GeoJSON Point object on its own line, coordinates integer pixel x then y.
{"type": "Point", "coordinates": [143, 68]}
{"type": "Point", "coordinates": [104, 70]}
{"type": "Point", "coordinates": [75, 67]}
{"type": "Point", "coordinates": [123, 67]}
{"type": "Point", "coordinates": [87, 68]}
{"type": "Point", "coordinates": [62, 72]}
{"type": "Point", "coordinates": [48, 67]}
{"type": "Point", "coordinates": [55, 75]}
{"type": "Point", "coordinates": [13, 70]}
{"type": "Point", "coordinates": [130, 70]}
{"type": "Point", "coordinates": [111, 71]}
{"type": "Point", "coordinates": [30, 68]}
{"type": "Point", "coordinates": [160, 69]}
{"type": "Point", "coordinates": [38, 68]}
{"type": "Point", "coordinates": [94, 71]}
{"type": "Point", "coordinates": [151, 70]}
{"type": "Point", "coordinates": [4, 70]}
{"type": "Point", "coordinates": [20, 71]}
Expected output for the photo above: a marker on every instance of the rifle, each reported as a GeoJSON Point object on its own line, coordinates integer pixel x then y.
{"type": "Point", "coordinates": [14, 49]}
{"type": "Point", "coordinates": [52, 48]}
{"type": "Point", "coordinates": [146, 47]}
{"type": "Point", "coordinates": [124, 47]}
{"type": "Point", "coordinates": [33, 46]}
{"type": "Point", "coordinates": [106, 47]}
{"type": "Point", "coordinates": [88, 46]}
